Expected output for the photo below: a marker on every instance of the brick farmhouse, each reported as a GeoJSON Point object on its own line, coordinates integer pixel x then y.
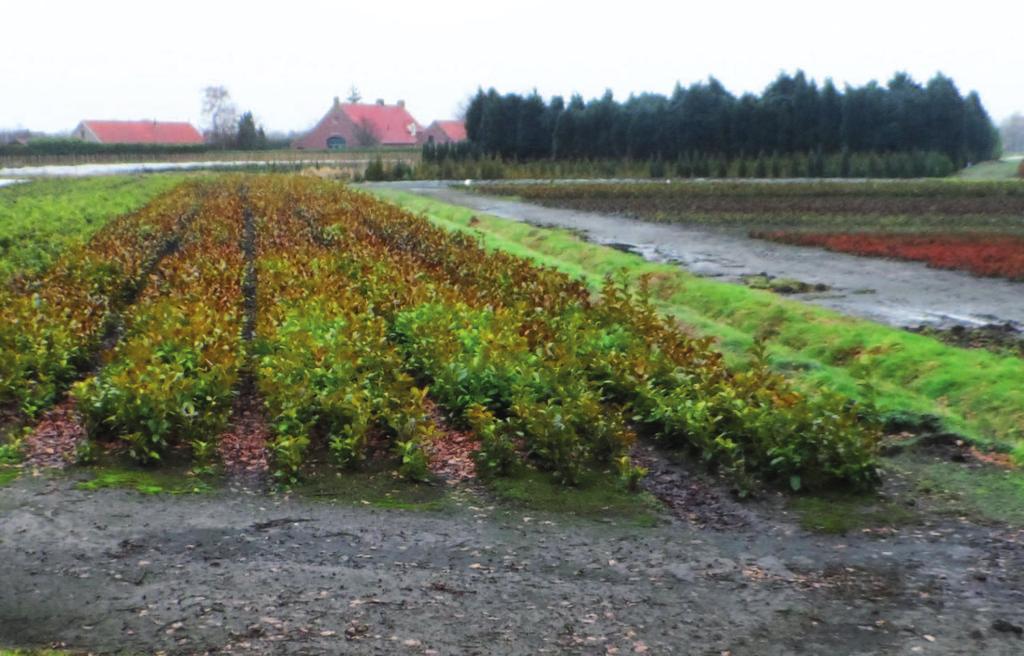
{"type": "Point", "coordinates": [348, 125]}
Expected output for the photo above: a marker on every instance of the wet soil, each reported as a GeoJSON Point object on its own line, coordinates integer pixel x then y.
{"type": "Point", "coordinates": [998, 338]}
{"type": "Point", "coordinates": [233, 571]}
{"type": "Point", "coordinates": [778, 285]}
{"type": "Point", "coordinates": [902, 294]}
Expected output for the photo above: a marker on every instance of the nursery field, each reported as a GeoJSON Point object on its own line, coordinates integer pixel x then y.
{"type": "Point", "coordinates": [41, 219]}
{"type": "Point", "coordinates": [995, 255]}
{"type": "Point", "coordinates": [360, 328]}
{"type": "Point", "coordinates": [891, 203]}
{"type": "Point", "coordinates": [275, 414]}
{"type": "Point", "coordinates": [968, 225]}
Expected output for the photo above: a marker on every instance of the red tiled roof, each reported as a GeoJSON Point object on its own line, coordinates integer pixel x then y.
{"type": "Point", "coordinates": [389, 123]}
{"type": "Point", "coordinates": [140, 132]}
{"type": "Point", "coordinates": [456, 130]}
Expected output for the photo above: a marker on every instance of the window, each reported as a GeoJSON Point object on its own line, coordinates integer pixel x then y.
{"type": "Point", "coordinates": [335, 142]}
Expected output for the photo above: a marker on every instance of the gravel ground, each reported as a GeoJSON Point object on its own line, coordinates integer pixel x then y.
{"type": "Point", "coordinates": [236, 571]}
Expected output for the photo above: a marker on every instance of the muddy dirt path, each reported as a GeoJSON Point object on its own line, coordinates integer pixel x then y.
{"type": "Point", "coordinates": [239, 572]}
{"type": "Point", "coordinates": [896, 293]}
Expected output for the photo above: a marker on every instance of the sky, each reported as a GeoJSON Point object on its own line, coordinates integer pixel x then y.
{"type": "Point", "coordinates": [61, 62]}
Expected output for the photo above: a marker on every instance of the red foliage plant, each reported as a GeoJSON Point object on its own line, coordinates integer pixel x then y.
{"type": "Point", "coordinates": [991, 255]}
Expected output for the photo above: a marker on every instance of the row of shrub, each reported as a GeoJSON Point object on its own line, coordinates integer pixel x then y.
{"type": "Point", "coordinates": [1009, 191]}
{"type": "Point", "coordinates": [540, 370]}
{"type": "Point", "coordinates": [993, 255]}
{"type": "Point", "coordinates": [329, 377]}
{"type": "Point", "coordinates": [915, 164]}
{"type": "Point", "coordinates": [171, 379]}
{"type": "Point", "coordinates": [51, 327]}
{"type": "Point", "coordinates": [366, 316]}
{"type": "Point", "coordinates": [40, 221]}
{"type": "Point", "coordinates": [69, 146]}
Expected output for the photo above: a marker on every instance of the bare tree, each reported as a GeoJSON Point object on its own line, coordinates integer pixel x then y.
{"type": "Point", "coordinates": [365, 134]}
{"type": "Point", "coordinates": [220, 115]}
{"type": "Point", "coordinates": [353, 95]}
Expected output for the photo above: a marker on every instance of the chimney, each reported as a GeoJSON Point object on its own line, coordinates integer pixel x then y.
{"type": "Point", "coordinates": [337, 101]}
{"type": "Point", "coordinates": [401, 103]}
{"type": "Point", "coordinates": [380, 101]}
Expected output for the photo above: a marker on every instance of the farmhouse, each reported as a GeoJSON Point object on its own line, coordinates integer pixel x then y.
{"type": "Point", "coordinates": [359, 124]}
{"type": "Point", "coordinates": [138, 132]}
{"type": "Point", "coordinates": [442, 132]}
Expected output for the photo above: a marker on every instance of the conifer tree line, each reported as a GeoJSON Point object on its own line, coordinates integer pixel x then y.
{"type": "Point", "coordinates": [792, 116]}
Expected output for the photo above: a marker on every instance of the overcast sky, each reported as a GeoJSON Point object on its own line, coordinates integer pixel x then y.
{"type": "Point", "coordinates": [104, 59]}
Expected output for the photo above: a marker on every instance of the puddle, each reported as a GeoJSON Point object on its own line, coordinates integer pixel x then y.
{"type": "Point", "coordinates": [903, 294]}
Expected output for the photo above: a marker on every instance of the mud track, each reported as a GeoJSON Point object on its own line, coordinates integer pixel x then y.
{"type": "Point", "coordinates": [231, 572]}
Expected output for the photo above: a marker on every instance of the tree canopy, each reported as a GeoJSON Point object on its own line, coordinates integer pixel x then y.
{"type": "Point", "coordinates": [792, 115]}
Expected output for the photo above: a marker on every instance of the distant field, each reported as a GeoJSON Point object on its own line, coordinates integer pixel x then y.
{"type": "Point", "coordinates": [1004, 169]}
{"type": "Point", "coordinates": [41, 219]}
{"type": "Point", "coordinates": [889, 204]}
{"type": "Point", "coordinates": [969, 225]}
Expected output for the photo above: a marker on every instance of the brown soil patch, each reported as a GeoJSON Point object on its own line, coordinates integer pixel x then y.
{"type": "Point", "coordinates": [450, 455]}
{"type": "Point", "coordinates": [243, 446]}
{"type": "Point", "coordinates": [56, 437]}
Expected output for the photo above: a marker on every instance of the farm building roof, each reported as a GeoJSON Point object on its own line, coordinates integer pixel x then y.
{"type": "Point", "coordinates": [391, 124]}
{"type": "Point", "coordinates": [456, 130]}
{"type": "Point", "coordinates": [143, 132]}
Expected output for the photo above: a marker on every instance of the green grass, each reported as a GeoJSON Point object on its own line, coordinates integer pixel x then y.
{"type": "Point", "coordinates": [377, 485]}
{"type": "Point", "coordinates": [976, 393]}
{"type": "Point", "coordinates": [145, 481]}
{"type": "Point", "coordinates": [996, 170]}
{"type": "Point", "coordinates": [598, 495]}
{"type": "Point", "coordinates": [843, 513]}
{"type": "Point", "coordinates": [41, 219]}
{"type": "Point", "coordinates": [977, 491]}
{"type": "Point", "coordinates": [8, 475]}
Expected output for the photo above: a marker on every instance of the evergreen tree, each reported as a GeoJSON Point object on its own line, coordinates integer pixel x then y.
{"type": "Point", "coordinates": [247, 137]}
{"type": "Point", "coordinates": [809, 130]}
{"type": "Point", "coordinates": [830, 117]}
{"type": "Point", "coordinates": [532, 140]}
{"type": "Point", "coordinates": [945, 116]}
{"type": "Point", "coordinates": [981, 140]}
